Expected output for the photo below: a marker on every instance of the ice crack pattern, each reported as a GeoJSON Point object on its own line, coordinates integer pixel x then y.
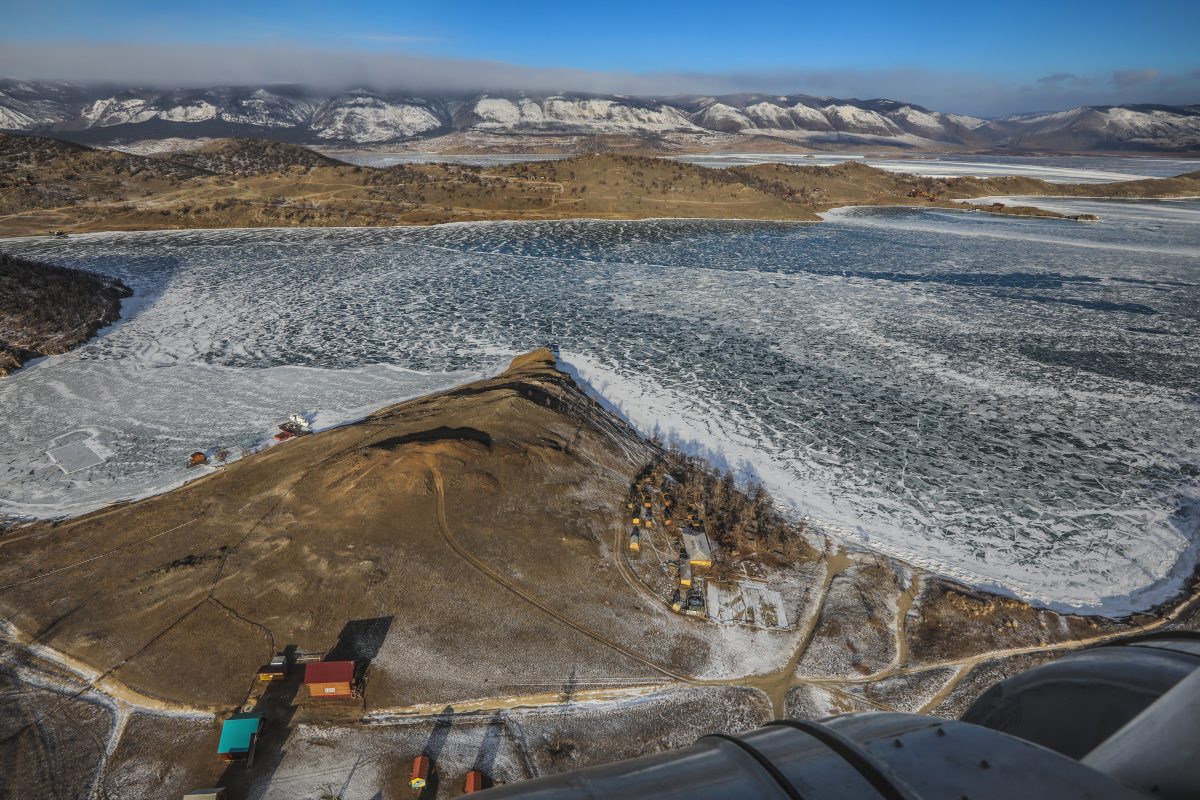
{"type": "Point", "coordinates": [1011, 401]}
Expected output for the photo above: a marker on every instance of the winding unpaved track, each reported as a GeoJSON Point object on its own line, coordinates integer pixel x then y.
{"type": "Point", "coordinates": [775, 684]}
{"type": "Point", "coordinates": [104, 681]}
{"type": "Point", "coordinates": [496, 576]}
{"type": "Point", "coordinates": [963, 666]}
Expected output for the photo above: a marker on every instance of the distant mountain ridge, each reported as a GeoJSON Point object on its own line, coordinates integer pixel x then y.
{"type": "Point", "coordinates": [364, 118]}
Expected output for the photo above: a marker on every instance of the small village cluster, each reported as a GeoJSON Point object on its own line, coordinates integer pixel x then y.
{"type": "Point", "coordinates": [296, 425]}
{"type": "Point", "coordinates": [652, 505]}
{"type": "Point", "coordinates": [324, 681]}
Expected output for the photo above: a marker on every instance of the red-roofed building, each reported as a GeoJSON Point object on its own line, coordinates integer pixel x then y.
{"type": "Point", "coordinates": [329, 678]}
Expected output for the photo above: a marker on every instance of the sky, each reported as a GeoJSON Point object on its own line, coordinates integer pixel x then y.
{"type": "Point", "coordinates": [965, 57]}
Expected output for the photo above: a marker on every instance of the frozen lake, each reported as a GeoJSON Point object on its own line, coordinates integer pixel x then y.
{"type": "Point", "coordinates": [1011, 401]}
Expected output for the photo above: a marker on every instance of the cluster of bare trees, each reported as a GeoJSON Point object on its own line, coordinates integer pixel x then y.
{"type": "Point", "coordinates": [931, 188]}
{"type": "Point", "coordinates": [47, 309]}
{"type": "Point", "coordinates": [397, 175]}
{"type": "Point", "coordinates": [740, 521]}
{"type": "Point", "coordinates": [806, 195]}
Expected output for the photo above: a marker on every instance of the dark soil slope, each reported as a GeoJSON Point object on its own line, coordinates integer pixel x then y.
{"type": "Point", "coordinates": [251, 157]}
{"type": "Point", "coordinates": [47, 310]}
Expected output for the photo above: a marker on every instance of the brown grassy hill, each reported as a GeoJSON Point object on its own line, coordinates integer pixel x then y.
{"type": "Point", "coordinates": [641, 186]}
{"type": "Point", "coordinates": [47, 310]}
{"type": "Point", "coordinates": [840, 183]}
{"type": "Point", "coordinates": [203, 584]}
{"type": "Point", "coordinates": [64, 195]}
{"type": "Point", "coordinates": [41, 173]}
{"type": "Point", "coordinates": [479, 532]}
{"type": "Point", "coordinates": [244, 183]}
{"type": "Point", "coordinates": [241, 156]}
{"type": "Point", "coordinates": [854, 183]}
{"type": "Point", "coordinates": [473, 546]}
{"type": "Point", "coordinates": [35, 157]}
{"type": "Point", "coordinates": [1185, 185]}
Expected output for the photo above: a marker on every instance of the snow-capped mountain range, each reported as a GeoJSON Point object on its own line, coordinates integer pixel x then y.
{"type": "Point", "coordinates": [363, 118]}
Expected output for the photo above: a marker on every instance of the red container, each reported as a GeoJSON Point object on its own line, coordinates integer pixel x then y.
{"type": "Point", "coordinates": [474, 782]}
{"type": "Point", "coordinates": [420, 772]}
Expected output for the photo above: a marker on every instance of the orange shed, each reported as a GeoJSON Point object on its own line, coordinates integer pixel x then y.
{"type": "Point", "coordinates": [420, 772]}
{"type": "Point", "coordinates": [474, 782]}
{"type": "Point", "coordinates": [329, 678]}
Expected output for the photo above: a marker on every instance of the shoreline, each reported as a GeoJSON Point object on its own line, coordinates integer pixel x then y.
{"type": "Point", "coordinates": [290, 186]}
{"type": "Point", "coordinates": [1181, 582]}
{"type": "Point", "coordinates": [1165, 587]}
{"type": "Point", "coordinates": [819, 211]}
{"type": "Point", "coordinates": [47, 309]}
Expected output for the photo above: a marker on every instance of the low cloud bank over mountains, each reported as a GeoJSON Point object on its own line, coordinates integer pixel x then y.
{"type": "Point", "coordinates": [368, 118]}
{"type": "Point", "coordinates": [389, 70]}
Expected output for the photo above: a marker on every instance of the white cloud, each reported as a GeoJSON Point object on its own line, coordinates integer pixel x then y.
{"type": "Point", "coordinates": [139, 64]}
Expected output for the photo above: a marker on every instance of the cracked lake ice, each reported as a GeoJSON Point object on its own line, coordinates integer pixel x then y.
{"type": "Point", "coordinates": [1010, 401]}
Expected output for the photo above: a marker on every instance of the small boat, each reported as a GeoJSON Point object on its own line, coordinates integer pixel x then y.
{"type": "Point", "coordinates": [296, 425]}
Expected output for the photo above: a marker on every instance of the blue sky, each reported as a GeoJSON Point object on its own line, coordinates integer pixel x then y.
{"type": "Point", "coordinates": [962, 52]}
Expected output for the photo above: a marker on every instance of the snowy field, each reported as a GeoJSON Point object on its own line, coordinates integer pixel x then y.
{"type": "Point", "coordinates": [1056, 169]}
{"type": "Point", "coordinates": [1012, 401]}
{"type": "Point", "coordinates": [746, 602]}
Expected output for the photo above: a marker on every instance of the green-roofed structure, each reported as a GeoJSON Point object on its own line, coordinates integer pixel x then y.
{"type": "Point", "coordinates": [239, 734]}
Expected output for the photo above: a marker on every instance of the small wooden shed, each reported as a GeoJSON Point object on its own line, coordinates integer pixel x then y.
{"type": "Point", "coordinates": [474, 782]}
{"type": "Point", "coordinates": [239, 736]}
{"type": "Point", "coordinates": [329, 678]}
{"type": "Point", "coordinates": [277, 670]}
{"type": "Point", "coordinates": [685, 573]}
{"type": "Point", "coordinates": [420, 772]}
{"type": "Point", "coordinates": [699, 551]}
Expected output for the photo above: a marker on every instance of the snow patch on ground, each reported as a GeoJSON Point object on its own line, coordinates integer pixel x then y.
{"type": "Point", "coordinates": [746, 602]}
{"type": "Point", "coordinates": [816, 702]}
{"type": "Point", "coordinates": [198, 111]}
